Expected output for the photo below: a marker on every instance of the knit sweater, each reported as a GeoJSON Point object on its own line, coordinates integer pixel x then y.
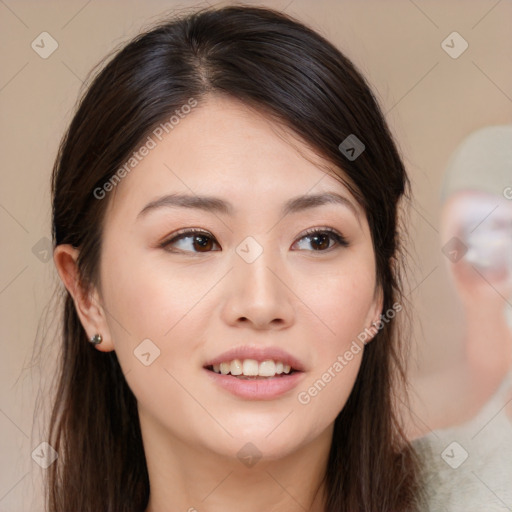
{"type": "Point", "coordinates": [468, 468]}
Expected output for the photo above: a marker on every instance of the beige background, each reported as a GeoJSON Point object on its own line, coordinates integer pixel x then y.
{"type": "Point", "coordinates": [431, 102]}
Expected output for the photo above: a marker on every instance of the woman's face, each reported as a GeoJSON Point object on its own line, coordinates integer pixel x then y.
{"type": "Point", "coordinates": [251, 278]}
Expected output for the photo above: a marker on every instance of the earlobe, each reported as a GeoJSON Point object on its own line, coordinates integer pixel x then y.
{"type": "Point", "coordinates": [87, 303]}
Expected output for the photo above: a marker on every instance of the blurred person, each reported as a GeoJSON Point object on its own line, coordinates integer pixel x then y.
{"type": "Point", "coordinates": [470, 416]}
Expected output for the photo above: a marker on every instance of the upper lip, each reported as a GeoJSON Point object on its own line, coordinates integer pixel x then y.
{"type": "Point", "coordinates": [259, 354]}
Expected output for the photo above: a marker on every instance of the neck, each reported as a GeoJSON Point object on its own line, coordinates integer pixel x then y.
{"type": "Point", "coordinates": [189, 477]}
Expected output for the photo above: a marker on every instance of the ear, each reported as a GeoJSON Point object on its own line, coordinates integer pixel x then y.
{"type": "Point", "coordinates": [87, 303]}
{"type": "Point", "coordinates": [375, 312]}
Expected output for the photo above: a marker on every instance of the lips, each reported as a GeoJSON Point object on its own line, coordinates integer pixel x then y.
{"type": "Point", "coordinates": [257, 387]}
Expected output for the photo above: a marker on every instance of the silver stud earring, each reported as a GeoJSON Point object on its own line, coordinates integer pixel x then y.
{"type": "Point", "coordinates": [96, 339]}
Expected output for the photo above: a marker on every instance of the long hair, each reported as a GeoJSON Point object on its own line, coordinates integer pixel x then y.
{"type": "Point", "coordinates": [281, 67]}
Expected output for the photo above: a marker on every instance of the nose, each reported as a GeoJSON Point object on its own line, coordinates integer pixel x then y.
{"type": "Point", "coordinates": [259, 294]}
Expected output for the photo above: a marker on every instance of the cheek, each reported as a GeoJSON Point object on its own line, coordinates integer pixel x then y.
{"type": "Point", "coordinates": [149, 299]}
{"type": "Point", "coordinates": [341, 301]}
{"type": "Point", "coordinates": [157, 317]}
{"type": "Point", "coordinates": [324, 395]}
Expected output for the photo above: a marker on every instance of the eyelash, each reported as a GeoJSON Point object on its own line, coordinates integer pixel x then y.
{"type": "Point", "coordinates": [186, 233]}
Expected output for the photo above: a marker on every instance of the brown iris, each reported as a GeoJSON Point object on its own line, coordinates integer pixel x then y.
{"type": "Point", "coordinates": [204, 243]}
{"type": "Point", "coordinates": [325, 240]}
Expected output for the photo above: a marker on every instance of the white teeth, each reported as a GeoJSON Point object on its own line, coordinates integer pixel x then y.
{"type": "Point", "coordinates": [251, 368]}
{"type": "Point", "coordinates": [236, 367]}
{"type": "Point", "coordinates": [267, 368]}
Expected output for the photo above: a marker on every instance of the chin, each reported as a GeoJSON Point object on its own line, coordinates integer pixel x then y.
{"type": "Point", "coordinates": [254, 444]}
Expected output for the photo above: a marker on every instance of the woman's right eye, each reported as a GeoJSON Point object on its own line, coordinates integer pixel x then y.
{"type": "Point", "coordinates": [193, 239]}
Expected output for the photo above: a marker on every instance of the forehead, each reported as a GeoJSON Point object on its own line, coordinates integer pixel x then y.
{"type": "Point", "coordinates": [225, 148]}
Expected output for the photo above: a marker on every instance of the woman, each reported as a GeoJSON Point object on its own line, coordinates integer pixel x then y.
{"type": "Point", "coordinates": [225, 224]}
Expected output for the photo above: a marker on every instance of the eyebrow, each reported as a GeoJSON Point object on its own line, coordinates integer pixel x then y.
{"type": "Point", "coordinates": [218, 205]}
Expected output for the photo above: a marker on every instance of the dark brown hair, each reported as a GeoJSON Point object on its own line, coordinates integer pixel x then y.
{"type": "Point", "coordinates": [278, 66]}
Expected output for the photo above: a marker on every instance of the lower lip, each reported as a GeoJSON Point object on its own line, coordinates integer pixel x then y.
{"type": "Point", "coordinates": [257, 389]}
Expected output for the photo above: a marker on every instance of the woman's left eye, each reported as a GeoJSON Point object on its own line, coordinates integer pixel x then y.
{"type": "Point", "coordinates": [202, 241]}
{"type": "Point", "coordinates": [321, 238]}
